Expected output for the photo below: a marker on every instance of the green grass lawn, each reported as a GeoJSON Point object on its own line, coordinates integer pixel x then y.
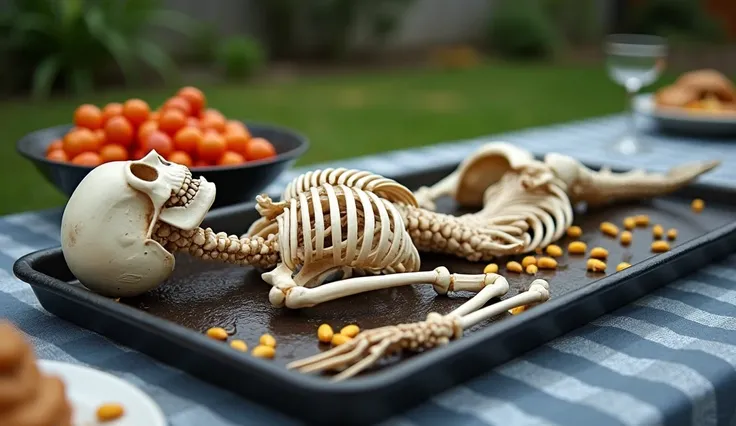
{"type": "Point", "coordinates": [350, 115]}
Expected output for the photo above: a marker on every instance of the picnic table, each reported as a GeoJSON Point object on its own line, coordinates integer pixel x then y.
{"type": "Point", "coordinates": [668, 358]}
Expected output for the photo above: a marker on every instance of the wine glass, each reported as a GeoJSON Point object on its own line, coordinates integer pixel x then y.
{"type": "Point", "coordinates": [634, 61]}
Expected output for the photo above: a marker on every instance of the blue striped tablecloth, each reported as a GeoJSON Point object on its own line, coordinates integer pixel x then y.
{"type": "Point", "coordinates": [669, 358]}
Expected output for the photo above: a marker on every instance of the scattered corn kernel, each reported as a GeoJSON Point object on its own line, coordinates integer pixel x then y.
{"type": "Point", "coordinates": [599, 253]}
{"type": "Point", "coordinates": [697, 205]}
{"type": "Point", "coordinates": [626, 238]}
{"type": "Point", "coordinates": [629, 223]}
{"type": "Point", "coordinates": [239, 345]}
{"type": "Point", "coordinates": [609, 229]}
{"type": "Point", "coordinates": [338, 339]}
{"type": "Point", "coordinates": [621, 266]}
{"type": "Point", "coordinates": [672, 233]}
{"type": "Point", "coordinates": [351, 330]}
{"type": "Point", "coordinates": [660, 246]}
{"type": "Point", "coordinates": [263, 351]}
{"type": "Point", "coordinates": [547, 263]}
{"type": "Point", "coordinates": [554, 250]}
{"type": "Point", "coordinates": [528, 260]}
{"type": "Point", "coordinates": [514, 267]}
{"type": "Point", "coordinates": [574, 231]}
{"type": "Point", "coordinates": [517, 310]}
{"type": "Point", "coordinates": [109, 411]}
{"type": "Point", "coordinates": [577, 247]}
{"type": "Point", "coordinates": [531, 269]}
{"type": "Point", "coordinates": [325, 333]}
{"type": "Point", "coordinates": [218, 333]}
{"type": "Point", "coordinates": [657, 231]}
{"type": "Point", "coordinates": [596, 265]}
{"type": "Point", "coordinates": [491, 268]}
{"type": "Point", "coordinates": [538, 250]}
{"type": "Point", "coordinates": [267, 340]}
{"type": "Point", "coordinates": [641, 220]}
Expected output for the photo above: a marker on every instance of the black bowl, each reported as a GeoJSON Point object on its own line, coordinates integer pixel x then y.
{"type": "Point", "coordinates": [235, 184]}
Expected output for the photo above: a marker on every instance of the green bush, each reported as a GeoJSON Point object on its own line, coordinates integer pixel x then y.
{"type": "Point", "coordinates": [68, 43]}
{"type": "Point", "coordinates": [240, 57]}
{"type": "Point", "coordinates": [521, 29]}
{"type": "Point", "coordinates": [681, 20]}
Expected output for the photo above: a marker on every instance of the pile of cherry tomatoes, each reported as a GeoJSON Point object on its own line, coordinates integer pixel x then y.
{"type": "Point", "coordinates": [183, 130]}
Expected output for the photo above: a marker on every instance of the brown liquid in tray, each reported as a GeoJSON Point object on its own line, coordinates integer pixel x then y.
{"type": "Point", "coordinates": [201, 295]}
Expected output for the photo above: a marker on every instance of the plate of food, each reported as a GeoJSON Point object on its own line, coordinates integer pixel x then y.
{"type": "Point", "coordinates": [45, 392]}
{"type": "Point", "coordinates": [699, 102]}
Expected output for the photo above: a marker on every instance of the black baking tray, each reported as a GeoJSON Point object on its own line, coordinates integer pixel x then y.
{"type": "Point", "coordinates": [168, 323]}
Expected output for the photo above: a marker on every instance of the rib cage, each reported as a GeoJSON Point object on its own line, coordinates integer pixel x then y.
{"type": "Point", "coordinates": [366, 234]}
{"type": "Point", "coordinates": [359, 179]}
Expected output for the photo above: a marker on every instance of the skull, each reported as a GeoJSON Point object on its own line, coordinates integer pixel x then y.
{"type": "Point", "coordinates": [107, 223]}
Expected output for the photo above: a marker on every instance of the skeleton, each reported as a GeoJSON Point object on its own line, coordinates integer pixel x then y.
{"type": "Point", "coordinates": [125, 220]}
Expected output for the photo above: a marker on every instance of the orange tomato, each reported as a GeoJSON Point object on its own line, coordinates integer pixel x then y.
{"type": "Point", "coordinates": [155, 115]}
{"type": "Point", "coordinates": [55, 145]}
{"type": "Point", "coordinates": [188, 139]}
{"type": "Point", "coordinates": [211, 147]}
{"type": "Point", "coordinates": [88, 116]}
{"type": "Point", "coordinates": [230, 158]}
{"type": "Point", "coordinates": [80, 141]}
{"type": "Point", "coordinates": [210, 111]}
{"type": "Point", "coordinates": [201, 163]}
{"type": "Point", "coordinates": [212, 122]}
{"type": "Point", "coordinates": [171, 120]}
{"type": "Point", "coordinates": [137, 154]}
{"type": "Point", "coordinates": [57, 155]}
{"type": "Point", "coordinates": [234, 126]}
{"type": "Point", "coordinates": [136, 111]}
{"type": "Point", "coordinates": [91, 159]}
{"type": "Point", "coordinates": [193, 122]}
{"type": "Point", "coordinates": [113, 109]}
{"type": "Point", "coordinates": [194, 96]}
{"type": "Point", "coordinates": [178, 103]}
{"type": "Point", "coordinates": [118, 130]}
{"type": "Point", "coordinates": [236, 142]}
{"type": "Point", "coordinates": [259, 149]}
{"type": "Point", "coordinates": [181, 157]}
{"type": "Point", "coordinates": [112, 152]}
{"type": "Point", "coordinates": [100, 135]}
{"type": "Point", "coordinates": [159, 141]}
{"type": "Point", "coordinates": [146, 129]}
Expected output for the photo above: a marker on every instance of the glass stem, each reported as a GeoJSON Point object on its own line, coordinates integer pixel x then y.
{"type": "Point", "coordinates": [632, 88]}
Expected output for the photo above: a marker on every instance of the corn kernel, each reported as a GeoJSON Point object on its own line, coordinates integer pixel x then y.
{"type": "Point", "coordinates": [657, 231]}
{"type": "Point", "coordinates": [218, 333]}
{"type": "Point", "coordinates": [239, 345]}
{"type": "Point", "coordinates": [629, 223]}
{"type": "Point", "coordinates": [660, 246]}
{"type": "Point", "coordinates": [351, 330]}
{"type": "Point", "coordinates": [531, 269]}
{"type": "Point", "coordinates": [263, 351]}
{"type": "Point", "coordinates": [641, 220]}
{"type": "Point", "coordinates": [491, 268]}
{"type": "Point", "coordinates": [554, 250]}
{"type": "Point", "coordinates": [514, 267]}
{"type": "Point", "coordinates": [609, 229]}
{"type": "Point", "coordinates": [338, 339]}
{"type": "Point", "coordinates": [577, 247]}
{"type": "Point", "coordinates": [697, 205]}
{"type": "Point", "coordinates": [599, 253]}
{"type": "Point", "coordinates": [517, 310]}
{"type": "Point", "coordinates": [325, 333]}
{"type": "Point", "coordinates": [672, 233]}
{"type": "Point", "coordinates": [267, 340]}
{"type": "Point", "coordinates": [528, 260]}
{"type": "Point", "coordinates": [109, 411]}
{"type": "Point", "coordinates": [595, 265]}
{"type": "Point", "coordinates": [574, 231]}
{"type": "Point", "coordinates": [626, 238]}
{"type": "Point", "coordinates": [621, 266]}
{"type": "Point", "coordinates": [547, 263]}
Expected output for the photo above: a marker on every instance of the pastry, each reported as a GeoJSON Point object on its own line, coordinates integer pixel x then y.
{"type": "Point", "coordinates": [27, 396]}
{"type": "Point", "coordinates": [708, 82]}
{"type": "Point", "coordinates": [676, 96]}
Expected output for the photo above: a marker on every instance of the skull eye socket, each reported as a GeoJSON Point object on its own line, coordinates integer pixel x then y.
{"type": "Point", "coordinates": [144, 172]}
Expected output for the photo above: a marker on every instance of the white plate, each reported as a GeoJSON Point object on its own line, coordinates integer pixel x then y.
{"type": "Point", "coordinates": [683, 122]}
{"type": "Point", "coordinates": [88, 388]}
